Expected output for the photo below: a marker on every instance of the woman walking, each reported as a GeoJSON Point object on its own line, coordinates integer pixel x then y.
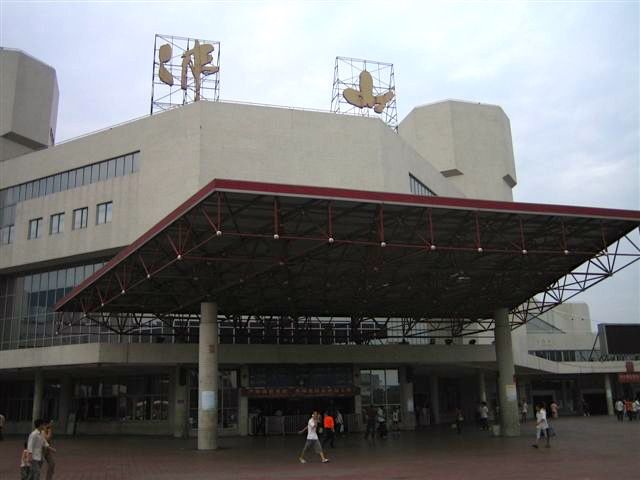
{"type": "Point", "coordinates": [542, 427]}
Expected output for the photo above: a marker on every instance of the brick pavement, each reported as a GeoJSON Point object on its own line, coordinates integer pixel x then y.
{"type": "Point", "coordinates": [585, 449]}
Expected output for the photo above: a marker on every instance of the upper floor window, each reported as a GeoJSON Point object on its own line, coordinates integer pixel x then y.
{"type": "Point", "coordinates": [6, 234]}
{"type": "Point", "coordinates": [80, 217]}
{"type": "Point", "coordinates": [56, 223]}
{"type": "Point", "coordinates": [103, 212]}
{"type": "Point", "coordinates": [35, 228]}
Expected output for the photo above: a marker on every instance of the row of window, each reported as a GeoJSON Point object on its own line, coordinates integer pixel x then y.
{"type": "Point", "coordinates": [104, 213]}
{"type": "Point", "coordinates": [565, 355]}
{"type": "Point", "coordinates": [418, 188]}
{"type": "Point", "coordinates": [96, 172]}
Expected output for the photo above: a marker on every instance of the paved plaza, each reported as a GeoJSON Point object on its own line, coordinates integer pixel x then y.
{"type": "Point", "coordinates": [584, 448]}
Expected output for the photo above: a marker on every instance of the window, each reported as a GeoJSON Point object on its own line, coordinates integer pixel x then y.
{"type": "Point", "coordinates": [56, 223]}
{"type": "Point", "coordinates": [6, 234]}
{"type": "Point", "coordinates": [35, 228]}
{"type": "Point", "coordinates": [103, 214]}
{"type": "Point", "coordinates": [418, 188]}
{"type": "Point", "coordinates": [80, 216]}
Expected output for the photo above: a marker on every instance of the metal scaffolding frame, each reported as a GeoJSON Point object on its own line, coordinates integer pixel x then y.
{"type": "Point", "coordinates": [346, 75]}
{"type": "Point", "coordinates": [165, 97]}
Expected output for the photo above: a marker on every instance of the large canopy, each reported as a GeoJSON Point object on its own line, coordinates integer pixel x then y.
{"type": "Point", "coordinates": [273, 249]}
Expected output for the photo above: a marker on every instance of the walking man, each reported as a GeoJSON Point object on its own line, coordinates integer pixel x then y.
{"type": "Point", "coordinates": [524, 411]}
{"type": "Point", "coordinates": [47, 433]}
{"type": "Point", "coordinates": [542, 427]}
{"type": "Point", "coordinates": [312, 438]}
{"type": "Point", "coordinates": [371, 424]}
{"type": "Point", "coordinates": [2, 422]}
{"type": "Point", "coordinates": [35, 446]}
{"type": "Point", "coordinates": [620, 410]}
{"type": "Point", "coordinates": [329, 430]}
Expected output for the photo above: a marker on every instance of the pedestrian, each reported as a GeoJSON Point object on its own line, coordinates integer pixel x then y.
{"type": "Point", "coordinates": [371, 424]}
{"type": "Point", "coordinates": [585, 408]}
{"type": "Point", "coordinates": [329, 430]}
{"type": "Point", "coordinates": [541, 425]}
{"type": "Point", "coordinates": [554, 409]}
{"type": "Point", "coordinates": [48, 450]}
{"type": "Point", "coordinates": [35, 446]}
{"type": "Point", "coordinates": [620, 410]}
{"type": "Point", "coordinates": [25, 467]}
{"type": "Point", "coordinates": [395, 418]}
{"type": "Point", "coordinates": [312, 438]}
{"type": "Point", "coordinates": [2, 422]}
{"type": "Point", "coordinates": [628, 407]}
{"type": "Point", "coordinates": [339, 422]}
{"type": "Point", "coordinates": [459, 420]}
{"type": "Point", "coordinates": [636, 409]}
{"type": "Point", "coordinates": [524, 411]}
{"type": "Point", "coordinates": [382, 423]}
{"type": "Point", "coordinates": [484, 416]}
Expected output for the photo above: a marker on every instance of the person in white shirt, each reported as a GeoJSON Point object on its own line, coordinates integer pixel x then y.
{"type": "Point", "coordinates": [620, 410]}
{"type": "Point", "coordinates": [35, 446]}
{"type": "Point", "coordinates": [524, 411]}
{"type": "Point", "coordinates": [484, 416]}
{"type": "Point", "coordinates": [541, 425]}
{"type": "Point", "coordinates": [636, 409]}
{"type": "Point", "coordinates": [312, 439]}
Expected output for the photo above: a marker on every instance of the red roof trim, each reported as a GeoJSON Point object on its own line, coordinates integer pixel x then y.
{"type": "Point", "coordinates": [351, 195]}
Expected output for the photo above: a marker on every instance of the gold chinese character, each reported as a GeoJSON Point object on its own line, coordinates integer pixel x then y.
{"type": "Point", "coordinates": [364, 97]}
{"type": "Point", "coordinates": [164, 55]}
{"type": "Point", "coordinates": [198, 64]}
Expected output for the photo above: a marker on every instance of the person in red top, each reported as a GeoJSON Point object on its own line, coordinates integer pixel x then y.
{"type": "Point", "coordinates": [329, 430]}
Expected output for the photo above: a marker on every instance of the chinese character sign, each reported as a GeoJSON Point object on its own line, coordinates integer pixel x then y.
{"type": "Point", "coordinates": [196, 60]}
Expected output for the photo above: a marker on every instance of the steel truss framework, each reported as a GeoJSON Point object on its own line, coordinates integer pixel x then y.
{"type": "Point", "coordinates": [346, 75]}
{"type": "Point", "coordinates": [165, 97]}
{"type": "Point", "coordinates": [280, 259]}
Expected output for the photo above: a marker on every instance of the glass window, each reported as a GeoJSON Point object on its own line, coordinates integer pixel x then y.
{"type": "Point", "coordinates": [56, 183]}
{"type": "Point", "coordinates": [136, 162]}
{"type": "Point", "coordinates": [111, 168]}
{"type": "Point", "coordinates": [23, 192]}
{"type": "Point", "coordinates": [35, 228]}
{"type": "Point", "coordinates": [29, 190]}
{"type": "Point", "coordinates": [103, 171]}
{"type": "Point", "coordinates": [95, 173]}
{"type": "Point", "coordinates": [72, 179]}
{"type": "Point", "coordinates": [80, 217]}
{"type": "Point", "coordinates": [43, 187]}
{"type": "Point", "coordinates": [36, 189]}
{"type": "Point", "coordinates": [86, 175]}
{"type": "Point", "coordinates": [128, 164]}
{"type": "Point", "coordinates": [49, 189]}
{"type": "Point", "coordinates": [104, 212]}
{"type": "Point", "coordinates": [64, 181]}
{"type": "Point", "coordinates": [6, 234]}
{"type": "Point", "coordinates": [119, 166]}
{"type": "Point", "coordinates": [56, 223]}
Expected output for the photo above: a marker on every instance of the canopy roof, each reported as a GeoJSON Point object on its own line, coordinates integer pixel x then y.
{"type": "Point", "coordinates": [273, 249]}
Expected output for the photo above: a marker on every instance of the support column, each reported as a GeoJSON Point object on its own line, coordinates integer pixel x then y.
{"type": "Point", "coordinates": [509, 421]}
{"type": "Point", "coordinates": [434, 396]}
{"type": "Point", "coordinates": [482, 387]}
{"type": "Point", "coordinates": [66, 394]}
{"type": "Point", "coordinates": [38, 392]}
{"type": "Point", "coordinates": [357, 400]}
{"type": "Point", "coordinates": [243, 403]}
{"type": "Point", "coordinates": [407, 411]}
{"type": "Point", "coordinates": [208, 377]}
{"type": "Point", "coordinates": [609, 394]}
{"type": "Point", "coordinates": [180, 407]}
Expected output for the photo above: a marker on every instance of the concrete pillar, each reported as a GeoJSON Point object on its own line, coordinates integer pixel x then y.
{"type": "Point", "coordinates": [434, 396]}
{"type": "Point", "coordinates": [609, 393]}
{"type": "Point", "coordinates": [66, 395]}
{"type": "Point", "coordinates": [507, 393]}
{"type": "Point", "coordinates": [482, 386]}
{"type": "Point", "coordinates": [38, 392]}
{"type": "Point", "coordinates": [357, 400]}
{"type": "Point", "coordinates": [407, 411]}
{"type": "Point", "coordinates": [243, 413]}
{"type": "Point", "coordinates": [208, 377]}
{"type": "Point", "coordinates": [180, 405]}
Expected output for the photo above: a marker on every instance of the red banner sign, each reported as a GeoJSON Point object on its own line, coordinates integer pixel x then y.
{"type": "Point", "coordinates": [629, 377]}
{"type": "Point", "coordinates": [294, 392]}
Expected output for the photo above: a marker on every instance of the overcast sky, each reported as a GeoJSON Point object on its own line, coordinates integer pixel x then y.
{"type": "Point", "coordinates": [566, 74]}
